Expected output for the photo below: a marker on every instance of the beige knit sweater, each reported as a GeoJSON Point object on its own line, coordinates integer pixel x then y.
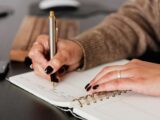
{"type": "Point", "coordinates": [129, 32]}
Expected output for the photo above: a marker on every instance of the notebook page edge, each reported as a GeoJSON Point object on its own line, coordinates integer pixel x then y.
{"type": "Point", "coordinates": [13, 81]}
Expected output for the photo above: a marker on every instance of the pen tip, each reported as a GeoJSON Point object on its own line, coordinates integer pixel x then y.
{"type": "Point", "coordinates": [51, 13]}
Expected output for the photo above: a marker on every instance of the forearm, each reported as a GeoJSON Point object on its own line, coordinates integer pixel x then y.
{"type": "Point", "coordinates": [108, 42]}
{"type": "Point", "coordinates": [120, 35]}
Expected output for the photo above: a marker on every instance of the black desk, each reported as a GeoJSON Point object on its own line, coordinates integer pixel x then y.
{"type": "Point", "coordinates": [16, 104]}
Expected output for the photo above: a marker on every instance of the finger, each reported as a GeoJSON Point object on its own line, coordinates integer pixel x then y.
{"type": "Point", "coordinates": [43, 40]}
{"type": "Point", "coordinates": [111, 76]}
{"type": "Point", "coordinates": [39, 71]}
{"type": "Point", "coordinates": [63, 70]}
{"type": "Point", "coordinates": [106, 70]}
{"type": "Point", "coordinates": [36, 54]}
{"type": "Point", "coordinates": [117, 84]}
{"type": "Point", "coordinates": [73, 67]}
{"type": "Point", "coordinates": [56, 63]}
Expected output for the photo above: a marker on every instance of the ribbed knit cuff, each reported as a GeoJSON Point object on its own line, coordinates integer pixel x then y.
{"type": "Point", "coordinates": [93, 48]}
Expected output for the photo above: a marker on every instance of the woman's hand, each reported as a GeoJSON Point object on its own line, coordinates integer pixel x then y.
{"type": "Point", "coordinates": [138, 76]}
{"type": "Point", "coordinates": [69, 53]}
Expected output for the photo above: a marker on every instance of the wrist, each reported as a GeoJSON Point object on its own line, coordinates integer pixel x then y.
{"type": "Point", "coordinates": [79, 53]}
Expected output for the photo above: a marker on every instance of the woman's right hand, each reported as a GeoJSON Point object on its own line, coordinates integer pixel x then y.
{"type": "Point", "coordinates": [68, 53]}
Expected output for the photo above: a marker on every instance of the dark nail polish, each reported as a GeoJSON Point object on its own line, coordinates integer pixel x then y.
{"type": "Point", "coordinates": [28, 61]}
{"type": "Point", "coordinates": [95, 87]}
{"type": "Point", "coordinates": [63, 69]}
{"type": "Point", "coordinates": [48, 70]}
{"type": "Point", "coordinates": [87, 86]}
{"type": "Point", "coordinates": [54, 78]}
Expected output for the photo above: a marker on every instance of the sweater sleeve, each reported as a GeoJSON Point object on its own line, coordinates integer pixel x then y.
{"type": "Point", "coordinates": [126, 33]}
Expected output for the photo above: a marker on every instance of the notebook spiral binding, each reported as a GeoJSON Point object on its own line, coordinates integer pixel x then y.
{"type": "Point", "coordinates": [94, 98]}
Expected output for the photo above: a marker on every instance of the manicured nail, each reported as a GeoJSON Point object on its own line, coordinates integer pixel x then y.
{"type": "Point", "coordinates": [95, 87]}
{"type": "Point", "coordinates": [63, 69]}
{"type": "Point", "coordinates": [87, 86]}
{"type": "Point", "coordinates": [54, 78]}
{"type": "Point", "coordinates": [48, 70]}
{"type": "Point", "coordinates": [28, 61]}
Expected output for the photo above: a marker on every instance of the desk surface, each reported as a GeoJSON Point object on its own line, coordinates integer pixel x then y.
{"type": "Point", "coordinates": [16, 104]}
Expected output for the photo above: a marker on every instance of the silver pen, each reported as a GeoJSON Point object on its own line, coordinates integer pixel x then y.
{"type": "Point", "coordinates": [53, 39]}
{"type": "Point", "coordinates": [53, 32]}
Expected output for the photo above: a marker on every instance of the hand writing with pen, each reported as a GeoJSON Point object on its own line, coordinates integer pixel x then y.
{"type": "Point", "coordinates": [68, 53]}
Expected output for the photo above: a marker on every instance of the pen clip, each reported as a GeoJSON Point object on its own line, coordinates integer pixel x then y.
{"type": "Point", "coordinates": [57, 31]}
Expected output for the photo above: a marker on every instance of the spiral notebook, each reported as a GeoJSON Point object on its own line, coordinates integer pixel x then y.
{"type": "Point", "coordinates": [70, 95]}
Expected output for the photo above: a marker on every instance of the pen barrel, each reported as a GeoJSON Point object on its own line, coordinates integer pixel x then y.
{"type": "Point", "coordinates": [52, 37]}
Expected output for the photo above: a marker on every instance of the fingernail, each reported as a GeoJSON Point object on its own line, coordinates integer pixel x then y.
{"type": "Point", "coordinates": [28, 61]}
{"type": "Point", "coordinates": [87, 86]}
{"type": "Point", "coordinates": [48, 70]}
{"type": "Point", "coordinates": [63, 69]}
{"type": "Point", "coordinates": [95, 87]}
{"type": "Point", "coordinates": [54, 78]}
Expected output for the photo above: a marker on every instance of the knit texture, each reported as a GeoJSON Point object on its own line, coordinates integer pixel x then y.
{"type": "Point", "coordinates": [129, 32]}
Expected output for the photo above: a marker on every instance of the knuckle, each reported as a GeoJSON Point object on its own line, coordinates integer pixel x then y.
{"type": "Point", "coordinates": [43, 36]}
{"type": "Point", "coordinates": [135, 61]}
{"type": "Point", "coordinates": [31, 54]}
{"type": "Point", "coordinates": [111, 74]}
{"type": "Point", "coordinates": [105, 68]}
{"type": "Point", "coordinates": [56, 63]}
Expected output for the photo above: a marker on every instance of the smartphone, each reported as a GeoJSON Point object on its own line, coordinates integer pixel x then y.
{"type": "Point", "coordinates": [4, 67]}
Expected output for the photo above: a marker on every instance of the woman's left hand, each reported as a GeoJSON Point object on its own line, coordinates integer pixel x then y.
{"type": "Point", "coordinates": [138, 76]}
